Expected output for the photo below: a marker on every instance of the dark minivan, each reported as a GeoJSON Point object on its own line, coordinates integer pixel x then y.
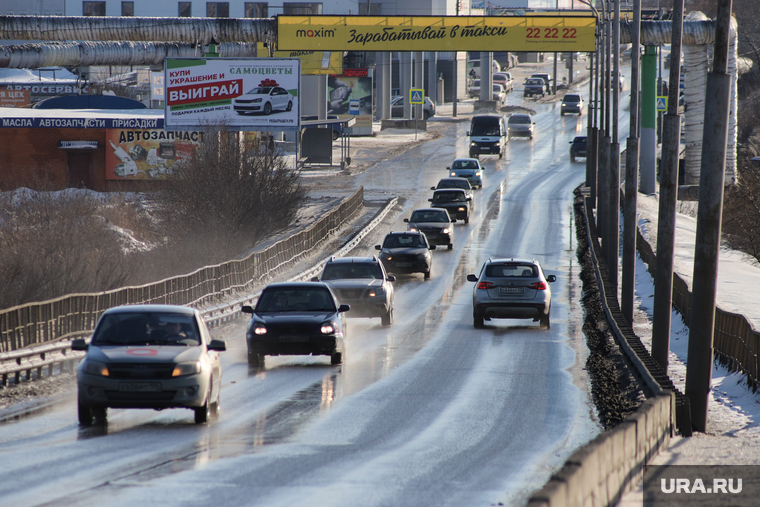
{"type": "Point", "coordinates": [488, 135]}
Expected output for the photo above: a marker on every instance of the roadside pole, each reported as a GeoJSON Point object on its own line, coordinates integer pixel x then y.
{"type": "Point", "coordinates": [666, 216]}
{"type": "Point", "coordinates": [613, 222]}
{"type": "Point", "coordinates": [702, 323]}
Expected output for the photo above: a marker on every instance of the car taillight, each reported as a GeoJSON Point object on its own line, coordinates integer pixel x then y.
{"type": "Point", "coordinates": [486, 285]}
{"type": "Point", "coordinates": [538, 285]}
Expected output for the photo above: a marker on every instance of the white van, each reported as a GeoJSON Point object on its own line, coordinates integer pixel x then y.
{"type": "Point", "coordinates": [473, 68]}
{"type": "Point", "coordinates": [488, 135]}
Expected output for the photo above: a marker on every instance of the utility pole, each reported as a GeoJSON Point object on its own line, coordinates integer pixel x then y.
{"type": "Point", "coordinates": [666, 217]}
{"type": "Point", "coordinates": [702, 324]}
{"type": "Point", "coordinates": [613, 222]}
{"type": "Point", "coordinates": [628, 290]}
{"type": "Point", "coordinates": [603, 145]}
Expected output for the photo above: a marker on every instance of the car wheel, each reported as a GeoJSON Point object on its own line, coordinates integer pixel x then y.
{"type": "Point", "coordinates": [544, 323]}
{"type": "Point", "coordinates": [477, 320]}
{"type": "Point", "coordinates": [427, 115]}
{"type": "Point", "coordinates": [85, 414]}
{"type": "Point", "coordinates": [290, 106]}
{"type": "Point", "coordinates": [451, 246]}
{"type": "Point", "coordinates": [426, 274]}
{"type": "Point", "coordinates": [500, 155]}
{"type": "Point", "coordinates": [203, 413]}
{"type": "Point", "coordinates": [562, 114]}
{"type": "Point", "coordinates": [336, 358]}
{"type": "Point", "coordinates": [467, 219]}
{"type": "Point", "coordinates": [335, 135]}
{"type": "Point", "coordinates": [215, 406]}
{"type": "Point", "coordinates": [387, 319]}
{"type": "Point", "coordinates": [572, 158]}
{"type": "Point", "coordinates": [268, 108]}
{"type": "Point", "coordinates": [256, 360]}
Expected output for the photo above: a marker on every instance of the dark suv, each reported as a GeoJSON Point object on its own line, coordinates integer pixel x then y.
{"type": "Point", "coordinates": [362, 283]}
{"type": "Point", "coordinates": [453, 200]}
{"type": "Point", "coordinates": [577, 148]}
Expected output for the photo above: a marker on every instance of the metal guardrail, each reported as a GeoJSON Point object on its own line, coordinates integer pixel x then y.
{"type": "Point", "coordinates": [56, 322]}
{"type": "Point", "coordinates": [24, 362]}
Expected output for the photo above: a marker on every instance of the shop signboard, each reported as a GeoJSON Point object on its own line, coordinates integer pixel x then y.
{"type": "Point", "coordinates": [148, 154]}
{"type": "Point", "coordinates": [237, 93]}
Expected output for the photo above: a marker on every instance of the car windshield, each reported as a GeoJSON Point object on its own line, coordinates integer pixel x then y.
{"type": "Point", "coordinates": [260, 90]}
{"type": "Point", "coordinates": [454, 183]}
{"type": "Point", "coordinates": [519, 119]}
{"type": "Point", "coordinates": [147, 328]}
{"type": "Point", "coordinates": [404, 241]}
{"type": "Point", "coordinates": [535, 82]}
{"type": "Point", "coordinates": [295, 300]}
{"type": "Point", "coordinates": [341, 271]}
{"type": "Point", "coordinates": [572, 98]}
{"type": "Point", "coordinates": [579, 140]}
{"type": "Point", "coordinates": [448, 196]}
{"type": "Point", "coordinates": [464, 164]}
{"type": "Point", "coordinates": [510, 270]}
{"type": "Point", "coordinates": [485, 130]}
{"type": "Point", "coordinates": [429, 216]}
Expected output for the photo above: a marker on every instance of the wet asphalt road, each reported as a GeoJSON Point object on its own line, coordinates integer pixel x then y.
{"type": "Point", "coordinates": [427, 412]}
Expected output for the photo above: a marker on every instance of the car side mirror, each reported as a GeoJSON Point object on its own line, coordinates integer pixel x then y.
{"type": "Point", "coordinates": [218, 345]}
{"type": "Point", "coordinates": [406, 220]}
{"type": "Point", "coordinates": [246, 309]}
{"type": "Point", "coordinates": [79, 344]}
{"type": "Point", "coordinates": [472, 278]}
{"type": "Point", "coordinates": [469, 198]}
{"type": "Point", "coordinates": [448, 168]}
{"type": "Point", "coordinates": [378, 247]}
{"type": "Point", "coordinates": [467, 134]}
{"type": "Point", "coordinates": [433, 188]}
{"type": "Point", "coordinates": [431, 247]}
{"type": "Point", "coordinates": [551, 278]}
{"type": "Point", "coordinates": [431, 200]}
{"type": "Point", "coordinates": [391, 278]}
{"type": "Point", "coordinates": [344, 308]}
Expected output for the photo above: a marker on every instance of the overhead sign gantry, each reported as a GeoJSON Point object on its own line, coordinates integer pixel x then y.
{"type": "Point", "coordinates": [437, 33]}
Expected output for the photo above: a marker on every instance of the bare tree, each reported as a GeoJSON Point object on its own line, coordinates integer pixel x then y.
{"type": "Point", "coordinates": [225, 199]}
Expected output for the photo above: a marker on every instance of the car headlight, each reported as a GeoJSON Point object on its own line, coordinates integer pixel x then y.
{"type": "Point", "coordinates": [478, 173]}
{"type": "Point", "coordinates": [462, 208]}
{"type": "Point", "coordinates": [189, 368]}
{"type": "Point", "coordinates": [259, 329]}
{"type": "Point", "coordinates": [413, 229]}
{"type": "Point", "coordinates": [256, 100]}
{"type": "Point", "coordinates": [473, 143]}
{"type": "Point", "coordinates": [387, 257]}
{"type": "Point", "coordinates": [377, 292]}
{"type": "Point", "coordinates": [96, 368]}
{"type": "Point", "coordinates": [496, 143]}
{"type": "Point", "coordinates": [445, 231]}
{"type": "Point", "coordinates": [327, 328]}
{"type": "Point", "coordinates": [453, 175]}
{"type": "Point", "coordinates": [563, 104]}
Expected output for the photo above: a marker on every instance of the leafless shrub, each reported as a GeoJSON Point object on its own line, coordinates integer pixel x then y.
{"type": "Point", "coordinates": [225, 199]}
{"type": "Point", "coordinates": [57, 243]}
{"type": "Point", "coordinates": [741, 211]}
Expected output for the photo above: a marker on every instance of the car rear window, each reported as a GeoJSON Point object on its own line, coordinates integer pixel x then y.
{"type": "Point", "coordinates": [455, 183]}
{"type": "Point", "coordinates": [464, 164]}
{"type": "Point", "coordinates": [448, 196]}
{"type": "Point", "coordinates": [305, 299]}
{"type": "Point", "coordinates": [404, 241]}
{"type": "Point", "coordinates": [429, 216]}
{"type": "Point", "coordinates": [519, 119]}
{"type": "Point", "coordinates": [510, 270]}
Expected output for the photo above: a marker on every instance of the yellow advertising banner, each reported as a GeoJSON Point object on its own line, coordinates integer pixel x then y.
{"type": "Point", "coordinates": [436, 33]}
{"type": "Point", "coordinates": [316, 62]}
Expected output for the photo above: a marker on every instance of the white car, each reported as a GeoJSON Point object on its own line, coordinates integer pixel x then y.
{"type": "Point", "coordinates": [263, 99]}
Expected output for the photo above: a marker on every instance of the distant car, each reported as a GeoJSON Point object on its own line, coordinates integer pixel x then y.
{"type": "Point", "coordinates": [263, 99]}
{"type": "Point", "coordinates": [453, 200]}
{"type": "Point", "coordinates": [504, 79]}
{"type": "Point", "coordinates": [498, 94]}
{"type": "Point", "coordinates": [406, 252]}
{"type": "Point", "coordinates": [571, 103]}
{"type": "Point", "coordinates": [363, 284]}
{"type": "Point", "coordinates": [435, 223]}
{"type": "Point", "coordinates": [149, 356]}
{"type": "Point", "coordinates": [534, 87]}
{"type": "Point", "coordinates": [547, 80]}
{"type": "Point", "coordinates": [577, 148]}
{"type": "Point", "coordinates": [456, 182]}
{"type": "Point", "coordinates": [337, 128]}
{"type": "Point", "coordinates": [468, 168]}
{"type": "Point", "coordinates": [511, 289]}
{"type": "Point", "coordinates": [520, 125]}
{"type": "Point", "coordinates": [397, 108]}
{"type": "Point", "coordinates": [296, 318]}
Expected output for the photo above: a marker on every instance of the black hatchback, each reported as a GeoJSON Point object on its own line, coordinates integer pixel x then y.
{"type": "Point", "coordinates": [296, 319]}
{"type": "Point", "coordinates": [577, 148]}
{"type": "Point", "coordinates": [453, 200]}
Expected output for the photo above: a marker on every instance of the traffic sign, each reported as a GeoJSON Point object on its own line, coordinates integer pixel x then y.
{"type": "Point", "coordinates": [662, 103]}
{"type": "Point", "coordinates": [416, 96]}
{"type": "Point", "coordinates": [353, 107]}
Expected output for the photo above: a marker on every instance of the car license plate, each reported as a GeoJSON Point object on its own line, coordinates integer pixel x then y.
{"type": "Point", "coordinates": [403, 264]}
{"type": "Point", "coordinates": [140, 387]}
{"type": "Point", "coordinates": [293, 338]}
{"type": "Point", "coordinates": [510, 290]}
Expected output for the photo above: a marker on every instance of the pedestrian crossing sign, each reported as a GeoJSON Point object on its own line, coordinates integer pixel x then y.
{"type": "Point", "coordinates": [662, 103]}
{"type": "Point", "coordinates": [416, 96]}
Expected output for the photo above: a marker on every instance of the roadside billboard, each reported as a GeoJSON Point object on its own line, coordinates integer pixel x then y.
{"type": "Point", "coordinates": [437, 33]}
{"type": "Point", "coordinates": [238, 93]}
{"type": "Point", "coordinates": [147, 154]}
{"type": "Point", "coordinates": [353, 86]}
{"type": "Point", "coordinates": [316, 62]}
